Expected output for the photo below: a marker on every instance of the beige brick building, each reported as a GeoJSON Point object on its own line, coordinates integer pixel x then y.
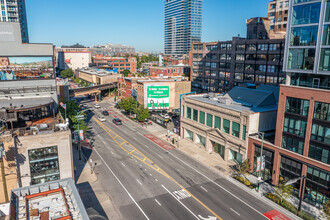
{"type": "Point", "coordinates": [97, 77]}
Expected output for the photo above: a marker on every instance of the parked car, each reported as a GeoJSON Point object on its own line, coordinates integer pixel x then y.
{"type": "Point", "coordinates": [102, 118]}
{"type": "Point", "coordinates": [97, 106]}
{"type": "Point", "coordinates": [106, 113]}
{"type": "Point", "coordinates": [117, 121]}
{"type": "Point", "coordinates": [164, 115]}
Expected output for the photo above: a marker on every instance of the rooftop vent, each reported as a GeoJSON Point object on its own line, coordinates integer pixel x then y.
{"type": "Point", "coordinates": [225, 100]}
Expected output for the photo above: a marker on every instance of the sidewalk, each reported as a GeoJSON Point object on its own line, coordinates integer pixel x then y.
{"type": "Point", "coordinates": [97, 203]}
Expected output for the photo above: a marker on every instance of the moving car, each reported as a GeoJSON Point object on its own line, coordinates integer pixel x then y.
{"type": "Point", "coordinates": [106, 113]}
{"type": "Point", "coordinates": [97, 106]}
{"type": "Point", "coordinates": [102, 118]}
{"type": "Point", "coordinates": [117, 121]}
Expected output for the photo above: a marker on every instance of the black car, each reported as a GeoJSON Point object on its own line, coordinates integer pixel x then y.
{"type": "Point", "coordinates": [117, 121]}
{"type": "Point", "coordinates": [105, 113]}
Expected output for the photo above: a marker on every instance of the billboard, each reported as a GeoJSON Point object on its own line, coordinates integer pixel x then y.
{"type": "Point", "coordinates": [158, 97]}
{"type": "Point", "coordinates": [15, 68]}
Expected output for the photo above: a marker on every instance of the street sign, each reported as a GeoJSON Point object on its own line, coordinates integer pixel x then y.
{"type": "Point", "coordinates": [81, 117]}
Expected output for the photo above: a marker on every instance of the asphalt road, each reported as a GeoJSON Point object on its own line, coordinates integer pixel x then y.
{"type": "Point", "coordinates": [145, 181]}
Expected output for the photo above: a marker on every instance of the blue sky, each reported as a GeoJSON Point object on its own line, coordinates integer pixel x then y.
{"type": "Point", "coordinates": [133, 22]}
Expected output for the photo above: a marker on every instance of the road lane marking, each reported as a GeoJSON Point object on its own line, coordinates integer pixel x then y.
{"type": "Point", "coordinates": [123, 164]}
{"type": "Point", "coordinates": [235, 212]}
{"type": "Point", "coordinates": [181, 194]}
{"type": "Point", "coordinates": [111, 152]}
{"type": "Point", "coordinates": [180, 202]}
{"type": "Point", "coordinates": [152, 165]}
{"type": "Point", "coordinates": [139, 182]}
{"type": "Point", "coordinates": [204, 189]}
{"type": "Point", "coordinates": [158, 202]}
{"type": "Point", "coordinates": [159, 156]}
{"type": "Point", "coordinates": [156, 180]}
{"type": "Point", "coordinates": [122, 185]}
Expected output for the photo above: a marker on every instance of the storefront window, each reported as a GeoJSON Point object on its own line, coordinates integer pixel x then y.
{"type": "Point", "coordinates": [303, 36]}
{"type": "Point", "coordinates": [44, 164]}
{"type": "Point", "coordinates": [202, 117]}
{"type": "Point", "coordinates": [266, 174]}
{"type": "Point", "coordinates": [225, 126]}
{"type": "Point", "coordinates": [235, 156]}
{"type": "Point", "coordinates": [297, 106]}
{"type": "Point", "coordinates": [189, 134]}
{"type": "Point", "coordinates": [290, 169]}
{"type": "Point", "coordinates": [218, 148]}
{"type": "Point", "coordinates": [301, 59]}
{"type": "Point", "coordinates": [209, 120]}
{"type": "Point", "coordinates": [325, 60]}
{"type": "Point", "coordinates": [235, 129]}
{"type": "Point", "coordinates": [217, 122]}
{"type": "Point", "coordinates": [195, 114]}
{"type": "Point", "coordinates": [306, 14]}
{"type": "Point", "coordinates": [200, 140]}
{"type": "Point", "coordinates": [317, 186]}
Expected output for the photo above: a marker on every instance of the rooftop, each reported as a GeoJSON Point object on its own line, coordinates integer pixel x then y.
{"type": "Point", "coordinates": [52, 200]}
{"type": "Point", "coordinates": [240, 99]}
{"type": "Point", "coordinates": [25, 103]}
{"type": "Point", "coordinates": [98, 72]}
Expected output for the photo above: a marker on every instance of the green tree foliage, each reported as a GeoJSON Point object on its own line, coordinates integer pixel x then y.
{"type": "Point", "coordinates": [145, 59]}
{"type": "Point", "coordinates": [326, 207]}
{"type": "Point", "coordinates": [243, 168]}
{"type": "Point", "coordinates": [68, 73]}
{"type": "Point", "coordinates": [126, 72]}
{"type": "Point", "coordinates": [283, 191]}
{"type": "Point", "coordinates": [142, 113]}
{"type": "Point", "coordinates": [128, 104]}
{"type": "Point", "coordinates": [71, 112]}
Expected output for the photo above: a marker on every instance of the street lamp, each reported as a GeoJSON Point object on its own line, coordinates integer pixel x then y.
{"type": "Point", "coordinates": [79, 113]}
{"type": "Point", "coordinates": [262, 134]}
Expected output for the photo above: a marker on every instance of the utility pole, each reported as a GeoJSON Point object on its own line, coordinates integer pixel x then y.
{"type": "Point", "coordinates": [3, 175]}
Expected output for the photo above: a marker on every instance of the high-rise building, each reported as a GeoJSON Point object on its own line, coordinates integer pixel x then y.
{"type": "Point", "coordinates": [14, 11]}
{"type": "Point", "coordinates": [278, 15]}
{"type": "Point", "coordinates": [302, 140]}
{"type": "Point", "coordinates": [183, 25]}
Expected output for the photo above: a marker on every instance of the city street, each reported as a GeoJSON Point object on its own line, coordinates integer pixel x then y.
{"type": "Point", "coordinates": [148, 179]}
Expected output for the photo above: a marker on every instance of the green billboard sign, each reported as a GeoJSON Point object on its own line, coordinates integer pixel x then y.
{"type": "Point", "coordinates": [158, 97]}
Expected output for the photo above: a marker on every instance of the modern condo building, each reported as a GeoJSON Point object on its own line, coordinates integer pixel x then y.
{"type": "Point", "coordinates": [14, 11]}
{"type": "Point", "coordinates": [183, 25]}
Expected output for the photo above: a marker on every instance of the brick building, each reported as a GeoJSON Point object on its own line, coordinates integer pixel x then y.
{"type": "Point", "coordinates": [257, 28]}
{"type": "Point", "coordinates": [278, 16]}
{"type": "Point", "coordinates": [119, 63]}
{"type": "Point", "coordinates": [177, 70]}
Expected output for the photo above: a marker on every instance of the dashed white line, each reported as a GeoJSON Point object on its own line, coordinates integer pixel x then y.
{"type": "Point", "coordinates": [122, 185]}
{"type": "Point", "coordinates": [180, 202]}
{"type": "Point", "coordinates": [158, 202]}
{"type": "Point", "coordinates": [235, 212]}
{"type": "Point", "coordinates": [159, 156]}
{"type": "Point", "coordinates": [139, 182]}
{"type": "Point", "coordinates": [150, 174]}
{"type": "Point", "coordinates": [204, 189]}
{"type": "Point", "coordinates": [156, 180]}
{"type": "Point", "coordinates": [123, 164]}
{"type": "Point", "coordinates": [112, 152]}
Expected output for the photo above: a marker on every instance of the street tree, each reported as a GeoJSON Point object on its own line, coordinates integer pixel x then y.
{"type": "Point", "coordinates": [142, 113]}
{"type": "Point", "coordinates": [68, 73]}
{"type": "Point", "coordinates": [126, 72]}
{"type": "Point", "coordinates": [128, 104]}
{"type": "Point", "coordinates": [283, 191]}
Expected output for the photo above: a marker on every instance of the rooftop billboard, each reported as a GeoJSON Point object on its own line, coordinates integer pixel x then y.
{"type": "Point", "coordinates": [158, 97]}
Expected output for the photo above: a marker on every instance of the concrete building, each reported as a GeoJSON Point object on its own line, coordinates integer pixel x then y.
{"type": "Point", "coordinates": [53, 200]}
{"type": "Point", "coordinates": [163, 71]}
{"type": "Point", "coordinates": [183, 25]}
{"type": "Point", "coordinates": [219, 66]}
{"type": "Point", "coordinates": [278, 16]}
{"type": "Point", "coordinates": [97, 77]}
{"type": "Point", "coordinates": [116, 63]}
{"type": "Point", "coordinates": [221, 123]}
{"type": "Point", "coordinates": [302, 140]}
{"type": "Point", "coordinates": [111, 49]}
{"type": "Point", "coordinates": [73, 58]}
{"type": "Point", "coordinates": [14, 11]}
{"type": "Point", "coordinates": [257, 28]}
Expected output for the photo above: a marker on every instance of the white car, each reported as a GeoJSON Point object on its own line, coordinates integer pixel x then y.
{"type": "Point", "coordinates": [97, 106]}
{"type": "Point", "coordinates": [101, 118]}
{"type": "Point", "coordinates": [165, 116]}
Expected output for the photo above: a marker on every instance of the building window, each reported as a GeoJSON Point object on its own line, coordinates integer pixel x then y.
{"type": "Point", "coordinates": [306, 14]}
{"type": "Point", "coordinates": [326, 35]}
{"type": "Point", "coordinates": [266, 174]}
{"type": "Point", "coordinates": [251, 47]}
{"type": "Point", "coordinates": [235, 127]}
{"type": "Point", "coordinates": [263, 47]}
{"type": "Point", "coordinates": [195, 114]}
{"type": "Point", "coordinates": [295, 126]}
{"type": "Point", "coordinates": [301, 59]}
{"type": "Point", "coordinates": [225, 126]}
{"type": "Point", "coordinates": [202, 117]}
{"type": "Point", "coordinates": [218, 148]}
{"type": "Point", "coordinates": [44, 164]}
{"type": "Point", "coordinates": [200, 140]}
{"type": "Point", "coordinates": [297, 106]}
{"type": "Point", "coordinates": [217, 122]}
{"type": "Point", "coordinates": [188, 112]}
{"type": "Point", "coordinates": [319, 153]}
{"type": "Point", "coordinates": [189, 134]}
{"type": "Point", "coordinates": [240, 47]}
{"type": "Point", "coordinates": [325, 60]}
{"type": "Point", "coordinates": [244, 133]}
{"type": "Point", "coordinates": [209, 120]}
{"type": "Point", "coordinates": [320, 133]}
{"type": "Point", "coordinates": [303, 36]}
{"type": "Point", "coordinates": [183, 111]}
{"type": "Point", "coordinates": [317, 186]}
{"type": "Point", "coordinates": [291, 169]}
{"type": "Point", "coordinates": [322, 111]}
{"type": "Point", "coordinates": [327, 13]}
{"type": "Point", "coordinates": [293, 144]}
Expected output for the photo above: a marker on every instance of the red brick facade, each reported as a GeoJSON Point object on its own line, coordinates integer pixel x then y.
{"type": "Point", "coordinates": [116, 62]}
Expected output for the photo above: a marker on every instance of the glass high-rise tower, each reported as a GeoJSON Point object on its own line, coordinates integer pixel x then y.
{"type": "Point", "coordinates": [14, 11]}
{"type": "Point", "coordinates": [183, 25]}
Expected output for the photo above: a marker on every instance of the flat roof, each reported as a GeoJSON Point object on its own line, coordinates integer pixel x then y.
{"type": "Point", "coordinates": [25, 102]}
{"type": "Point", "coordinates": [52, 200]}
{"type": "Point", "coordinates": [98, 72]}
